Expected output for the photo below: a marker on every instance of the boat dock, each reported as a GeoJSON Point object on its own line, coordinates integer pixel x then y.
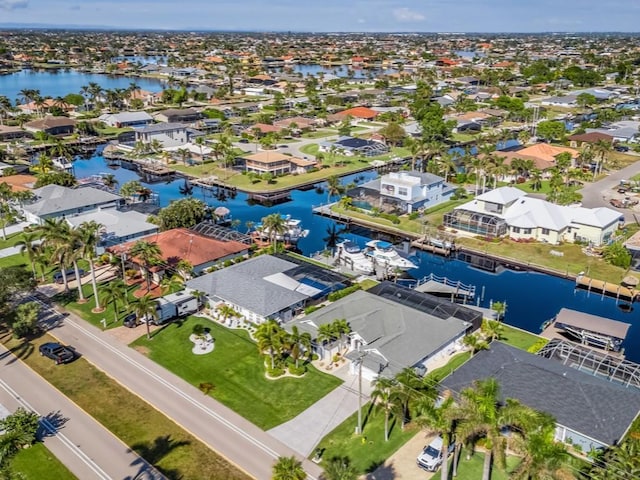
{"type": "Point", "coordinates": [590, 330]}
{"type": "Point", "coordinates": [606, 288]}
{"type": "Point", "coordinates": [435, 245]}
{"type": "Point", "coordinates": [445, 287]}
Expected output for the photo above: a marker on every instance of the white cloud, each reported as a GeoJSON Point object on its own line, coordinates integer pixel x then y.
{"type": "Point", "coordinates": [405, 15]}
{"type": "Point", "coordinates": [13, 4]}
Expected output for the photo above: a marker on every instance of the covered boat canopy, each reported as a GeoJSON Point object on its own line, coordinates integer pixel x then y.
{"type": "Point", "coordinates": [593, 323]}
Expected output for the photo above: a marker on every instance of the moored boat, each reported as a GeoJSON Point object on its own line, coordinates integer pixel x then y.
{"type": "Point", "coordinates": [384, 254]}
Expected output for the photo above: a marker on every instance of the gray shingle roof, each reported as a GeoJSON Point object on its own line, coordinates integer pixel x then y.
{"type": "Point", "coordinates": [244, 285]}
{"type": "Point", "coordinates": [584, 403]}
{"type": "Point", "coordinates": [51, 199]}
{"type": "Point", "coordinates": [403, 335]}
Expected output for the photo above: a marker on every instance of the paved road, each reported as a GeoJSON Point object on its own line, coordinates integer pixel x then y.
{"type": "Point", "coordinates": [75, 438]}
{"type": "Point", "coordinates": [242, 443]}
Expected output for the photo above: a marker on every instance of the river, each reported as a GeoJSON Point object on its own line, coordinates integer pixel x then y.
{"type": "Point", "coordinates": [531, 298]}
{"type": "Point", "coordinates": [60, 82]}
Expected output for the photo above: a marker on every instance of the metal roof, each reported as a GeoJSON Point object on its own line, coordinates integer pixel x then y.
{"type": "Point", "coordinates": [593, 323]}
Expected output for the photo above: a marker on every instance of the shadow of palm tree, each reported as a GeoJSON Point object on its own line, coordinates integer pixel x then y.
{"type": "Point", "coordinates": [381, 471]}
{"type": "Point", "coordinates": [51, 423]}
{"type": "Point", "coordinates": [24, 350]}
{"type": "Point", "coordinates": [153, 453]}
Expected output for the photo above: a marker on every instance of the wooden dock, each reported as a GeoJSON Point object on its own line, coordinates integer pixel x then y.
{"type": "Point", "coordinates": [606, 288]}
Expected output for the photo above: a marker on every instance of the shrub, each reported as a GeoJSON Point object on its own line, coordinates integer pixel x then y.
{"type": "Point", "coordinates": [333, 296]}
{"type": "Point", "coordinates": [299, 371]}
{"type": "Point", "coordinates": [275, 372]}
{"type": "Point", "coordinates": [414, 215]}
{"type": "Point", "coordinates": [312, 308]}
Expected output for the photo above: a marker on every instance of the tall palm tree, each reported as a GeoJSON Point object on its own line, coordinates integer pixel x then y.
{"type": "Point", "coordinates": [341, 328]}
{"type": "Point", "coordinates": [340, 468]}
{"type": "Point", "coordinates": [227, 311]}
{"type": "Point", "coordinates": [333, 187]}
{"type": "Point", "coordinates": [146, 308]}
{"type": "Point", "coordinates": [438, 419]}
{"type": "Point", "coordinates": [89, 237]}
{"type": "Point", "coordinates": [270, 337]}
{"type": "Point", "coordinates": [56, 234]}
{"type": "Point", "coordinates": [385, 397]}
{"type": "Point", "coordinates": [298, 343]}
{"type": "Point", "coordinates": [274, 224]}
{"type": "Point", "coordinates": [149, 254]}
{"type": "Point", "coordinates": [77, 254]}
{"type": "Point", "coordinates": [28, 246]}
{"type": "Point", "coordinates": [333, 236]}
{"type": "Point", "coordinates": [110, 181]}
{"type": "Point", "coordinates": [288, 468]}
{"type": "Point", "coordinates": [114, 292]}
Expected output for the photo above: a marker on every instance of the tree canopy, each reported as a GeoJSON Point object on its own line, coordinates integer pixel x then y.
{"type": "Point", "coordinates": [183, 213]}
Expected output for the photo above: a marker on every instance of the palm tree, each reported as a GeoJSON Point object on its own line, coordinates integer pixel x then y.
{"type": "Point", "coordinates": [441, 420]}
{"type": "Point", "coordinates": [275, 225]}
{"type": "Point", "coordinates": [492, 329]}
{"type": "Point", "coordinates": [89, 238]}
{"type": "Point", "coordinates": [146, 308]}
{"type": "Point", "coordinates": [149, 254]}
{"type": "Point", "coordinates": [385, 396]}
{"type": "Point", "coordinates": [288, 468]}
{"type": "Point", "coordinates": [56, 234]}
{"type": "Point", "coordinates": [299, 342]}
{"type": "Point", "coordinates": [114, 292]}
{"type": "Point", "coordinates": [341, 328]}
{"type": "Point", "coordinates": [333, 187]}
{"type": "Point", "coordinates": [28, 246]}
{"type": "Point", "coordinates": [340, 468]}
{"type": "Point", "coordinates": [326, 333]}
{"type": "Point", "coordinates": [227, 311]}
{"type": "Point", "coordinates": [270, 336]}
{"type": "Point", "coordinates": [76, 254]}
{"type": "Point", "coordinates": [474, 343]}
{"type": "Point", "coordinates": [110, 181]}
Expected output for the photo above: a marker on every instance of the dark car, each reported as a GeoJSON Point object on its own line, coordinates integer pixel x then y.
{"type": "Point", "coordinates": [70, 274]}
{"type": "Point", "coordinates": [243, 140]}
{"type": "Point", "coordinates": [621, 148]}
{"type": "Point", "coordinates": [57, 352]}
{"type": "Point", "coordinates": [131, 321]}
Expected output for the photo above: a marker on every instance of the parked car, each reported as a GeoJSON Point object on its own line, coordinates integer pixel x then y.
{"type": "Point", "coordinates": [70, 274]}
{"type": "Point", "coordinates": [131, 321]}
{"type": "Point", "coordinates": [621, 148]}
{"type": "Point", "coordinates": [57, 352]}
{"type": "Point", "coordinates": [431, 457]}
{"type": "Point", "coordinates": [616, 203]}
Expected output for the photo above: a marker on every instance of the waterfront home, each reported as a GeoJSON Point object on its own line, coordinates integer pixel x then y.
{"type": "Point", "coordinates": [116, 226]}
{"type": "Point", "coordinates": [351, 146]}
{"type": "Point", "coordinates": [393, 328]}
{"type": "Point", "coordinates": [126, 119]}
{"type": "Point", "coordinates": [46, 104]}
{"type": "Point", "coordinates": [267, 287]}
{"type": "Point", "coordinates": [8, 133]}
{"type": "Point", "coordinates": [404, 191]}
{"type": "Point", "coordinates": [581, 139]}
{"type": "Point", "coordinates": [56, 126]}
{"type": "Point", "coordinates": [178, 115]}
{"type": "Point", "coordinates": [55, 201]}
{"type": "Point", "coordinates": [508, 211]}
{"type": "Point", "coordinates": [591, 412]}
{"type": "Point", "coordinates": [168, 134]}
{"type": "Point", "coordinates": [623, 131]}
{"type": "Point", "coordinates": [177, 244]}
{"type": "Point", "coordinates": [276, 163]}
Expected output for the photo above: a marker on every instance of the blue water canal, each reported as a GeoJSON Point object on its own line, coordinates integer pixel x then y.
{"type": "Point", "coordinates": [531, 297]}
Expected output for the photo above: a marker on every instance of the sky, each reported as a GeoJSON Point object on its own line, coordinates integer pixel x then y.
{"type": "Point", "coordinates": [333, 15]}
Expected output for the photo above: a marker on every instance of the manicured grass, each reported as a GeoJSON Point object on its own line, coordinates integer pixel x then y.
{"type": "Point", "coordinates": [11, 240]}
{"type": "Point", "coordinates": [436, 375]}
{"type": "Point", "coordinates": [15, 260]}
{"type": "Point", "coordinates": [368, 283]}
{"type": "Point", "coordinates": [37, 462]}
{"type": "Point", "coordinates": [472, 469]}
{"type": "Point", "coordinates": [518, 338]}
{"type": "Point", "coordinates": [367, 451]}
{"type": "Point", "coordinates": [572, 262]}
{"type": "Point", "coordinates": [528, 187]}
{"type": "Point", "coordinates": [320, 134]}
{"type": "Point", "coordinates": [237, 372]}
{"type": "Point", "coordinates": [148, 432]}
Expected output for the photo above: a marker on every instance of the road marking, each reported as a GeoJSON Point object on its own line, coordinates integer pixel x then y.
{"type": "Point", "coordinates": [168, 385]}
{"type": "Point", "coordinates": [51, 429]}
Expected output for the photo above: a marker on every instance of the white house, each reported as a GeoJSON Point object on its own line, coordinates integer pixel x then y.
{"type": "Point", "coordinates": [126, 119]}
{"type": "Point", "coordinates": [510, 211]}
{"type": "Point", "coordinates": [168, 134]}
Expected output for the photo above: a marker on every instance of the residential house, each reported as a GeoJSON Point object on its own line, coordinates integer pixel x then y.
{"type": "Point", "coordinates": [116, 226]}
{"type": "Point", "coordinates": [55, 201]}
{"type": "Point", "coordinates": [510, 211]}
{"type": "Point", "coordinates": [261, 129]}
{"type": "Point", "coordinates": [8, 133]}
{"type": "Point", "coordinates": [393, 328]}
{"type": "Point", "coordinates": [581, 139]}
{"type": "Point", "coordinates": [267, 287]}
{"type": "Point", "coordinates": [178, 115]}
{"type": "Point", "coordinates": [351, 146]}
{"type": "Point", "coordinates": [56, 126]}
{"type": "Point", "coordinates": [623, 131]}
{"type": "Point", "coordinates": [408, 191]}
{"type": "Point", "coordinates": [178, 244]}
{"type": "Point", "coordinates": [359, 113]}
{"type": "Point", "coordinates": [276, 163]}
{"type": "Point", "coordinates": [300, 123]}
{"type": "Point", "coordinates": [591, 412]}
{"type": "Point", "coordinates": [168, 134]}
{"type": "Point", "coordinates": [127, 119]}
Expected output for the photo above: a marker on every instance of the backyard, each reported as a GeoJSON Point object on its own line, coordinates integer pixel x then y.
{"type": "Point", "coordinates": [237, 373]}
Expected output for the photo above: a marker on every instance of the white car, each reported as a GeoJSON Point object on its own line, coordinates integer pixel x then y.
{"type": "Point", "coordinates": [431, 457]}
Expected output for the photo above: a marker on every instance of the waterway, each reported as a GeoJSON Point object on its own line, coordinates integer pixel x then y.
{"type": "Point", "coordinates": [531, 298]}
{"type": "Point", "coordinates": [60, 82]}
{"type": "Point", "coordinates": [342, 71]}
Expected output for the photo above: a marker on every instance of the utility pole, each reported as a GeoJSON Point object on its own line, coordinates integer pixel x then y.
{"type": "Point", "coordinates": [360, 361]}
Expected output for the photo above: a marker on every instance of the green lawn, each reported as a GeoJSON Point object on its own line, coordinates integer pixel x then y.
{"type": "Point", "coordinates": [11, 240]}
{"type": "Point", "coordinates": [455, 362]}
{"type": "Point", "coordinates": [518, 338]}
{"type": "Point", "coordinates": [175, 452]}
{"type": "Point", "coordinates": [37, 462]}
{"type": "Point", "coordinates": [237, 372]}
{"type": "Point", "coordinates": [527, 187]}
{"type": "Point", "coordinates": [472, 469]}
{"type": "Point", "coordinates": [15, 260]}
{"type": "Point", "coordinates": [368, 451]}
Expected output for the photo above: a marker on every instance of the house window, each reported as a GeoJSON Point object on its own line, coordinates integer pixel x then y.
{"type": "Point", "coordinates": [515, 229]}
{"type": "Point", "coordinates": [527, 231]}
{"type": "Point", "coordinates": [545, 231]}
{"type": "Point", "coordinates": [402, 191]}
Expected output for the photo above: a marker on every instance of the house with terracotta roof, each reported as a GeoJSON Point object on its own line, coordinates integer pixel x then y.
{"type": "Point", "coordinates": [19, 183]}
{"type": "Point", "coordinates": [276, 163]}
{"type": "Point", "coordinates": [262, 129]}
{"type": "Point", "coordinates": [361, 113]}
{"type": "Point", "coordinates": [179, 244]}
{"type": "Point", "coordinates": [547, 152]}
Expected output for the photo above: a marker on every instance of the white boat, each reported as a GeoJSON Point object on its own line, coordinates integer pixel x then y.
{"type": "Point", "coordinates": [61, 163]}
{"type": "Point", "coordinates": [292, 233]}
{"type": "Point", "coordinates": [385, 255]}
{"type": "Point", "coordinates": [353, 257]}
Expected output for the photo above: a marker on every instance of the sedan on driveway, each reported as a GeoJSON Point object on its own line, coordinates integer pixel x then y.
{"type": "Point", "coordinates": [57, 352]}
